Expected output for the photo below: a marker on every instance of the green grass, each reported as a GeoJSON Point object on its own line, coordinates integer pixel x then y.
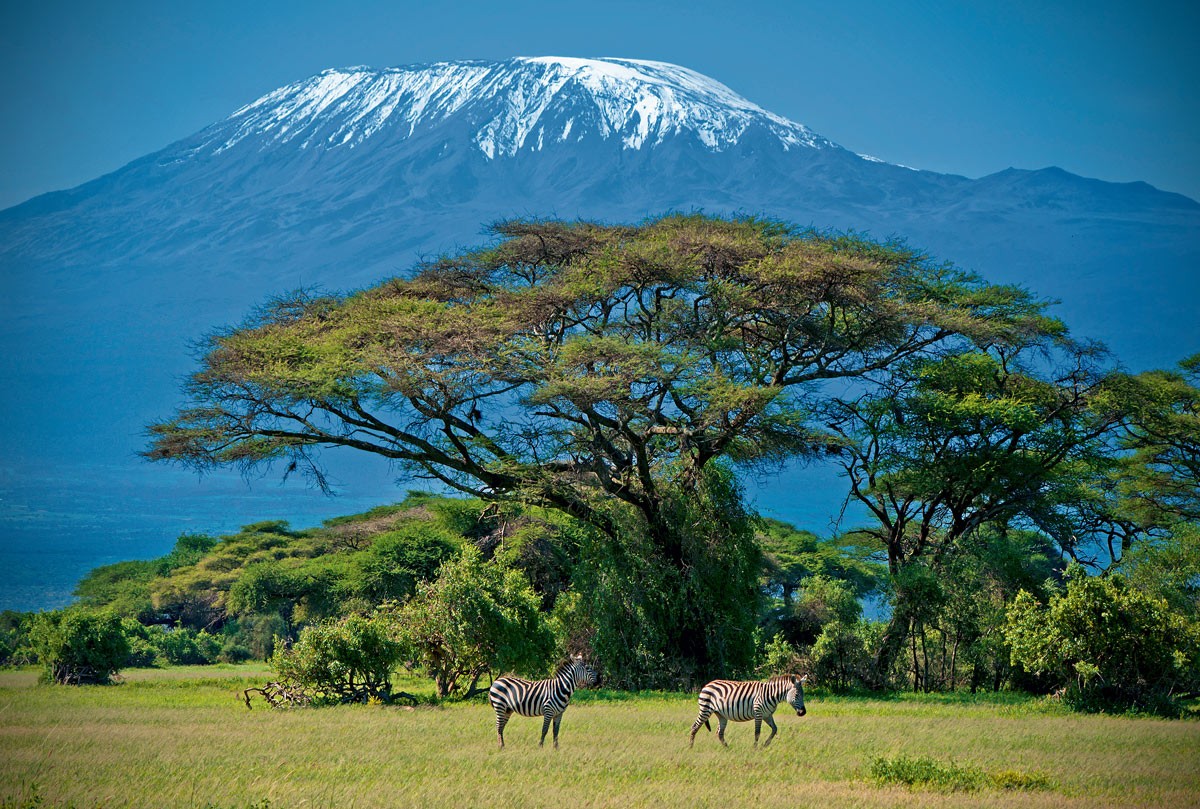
{"type": "Point", "coordinates": [951, 776]}
{"type": "Point", "coordinates": [183, 737]}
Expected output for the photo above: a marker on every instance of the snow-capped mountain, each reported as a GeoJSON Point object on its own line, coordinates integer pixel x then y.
{"type": "Point", "coordinates": [523, 103]}
{"type": "Point", "coordinates": [351, 175]}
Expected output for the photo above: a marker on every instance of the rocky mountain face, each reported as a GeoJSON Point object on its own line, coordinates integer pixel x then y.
{"type": "Point", "coordinates": [352, 175]}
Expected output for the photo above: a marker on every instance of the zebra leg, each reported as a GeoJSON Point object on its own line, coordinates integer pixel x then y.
{"type": "Point", "coordinates": [549, 717]}
{"type": "Point", "coordinates": [702, 719]}
{"type": "Point", "coordinates": [557, 722]}
{"type": "Point", "coordinates": [757, 729]}
{"type": "Point", "coordinates": [502, 718]}
{"type": "Point", "coordinates": [722, 721]}
{"type": "Point", "coordinates": [770, 720]}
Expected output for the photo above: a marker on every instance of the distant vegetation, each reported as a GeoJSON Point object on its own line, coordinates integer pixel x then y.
{"type": "Point", "coordinates": [592, 394]}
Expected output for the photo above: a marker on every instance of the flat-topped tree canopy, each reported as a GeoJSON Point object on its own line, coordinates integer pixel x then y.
{"type": "Point", "coordinates": [576, 363]}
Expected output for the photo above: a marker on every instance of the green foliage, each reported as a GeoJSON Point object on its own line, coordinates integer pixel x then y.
{"type": "Point", "coordinates": [78, 647]}
{"type": "Point", "coordinates": [927, 772]}
{"type": "Point", "coordinates": [924, 771]}
{"type": "Point", "coordinates": [14, 638]}
{"type": "Point", "coordinates": [349, 660]}
{"type": "Point", "coordinates": [778, 657]}
{"type": "Point", "coordinates": [658, 625]}
{"type": "Point", "coordinates": [474, 617]}
{"type": "Point", "coordinates": [1168, 569]}
{"type": "Point", "coordinates": [841, 659]}
{"type": "Point", "coordinates": [790, 556]}
{"type": "Point", "coordinates": [123, 587]}
{"type": "Point", "coordinates": [601, 372]}
{"type": "Point", "coordinates": [1159, 483]}
{"type": "Point", "coordinates": [390, 568]}
{"type": "Point", "coordinates": [1112, 646]}
{"type": "Point", "coordinates": [252, 637]}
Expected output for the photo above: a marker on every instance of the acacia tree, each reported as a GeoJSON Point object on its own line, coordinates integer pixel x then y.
{"type": "Point", "coordinates": [1160, 481]}
{"type": "Point", "coordinates": [983, 437]}
{"type": "Point", "coordinates": [598, 370]}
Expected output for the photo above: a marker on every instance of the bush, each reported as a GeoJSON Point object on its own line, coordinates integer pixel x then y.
{"type": "Point", "coordinates": [257, 634]}
{"type": "Point", "coordinates": [475, 617]}
{"type": "Point", "coordinates": [181, 646]}
{"type": "Point", "coordinates": [142, 653]}
{"type": "Point", "coordinates": [778, 657]}
{"type": "Point", "coordinates": [1111, 646]}
{"type": "Point", "coordinates": [14, 638]}
{"type": "Point", "coordinates": [841, 657]}
{"type": "Point", "coordinates": [926, 772]}
{"type": "Point", "coordinates": [233, 652]}
{"type": "Point", "coordinates": [396, 560]}
{"type": "Point", "coordinates": [79, 647]}
{"type": "Point", "coordinates": [350, 660]}
{"type": "Point", "coordinates": [932, 774]}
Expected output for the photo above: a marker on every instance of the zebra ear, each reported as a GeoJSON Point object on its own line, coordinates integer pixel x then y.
{"type": "Point", "coordinates": [804, 679]}
{"type": "Point", "coordinates": [579, 657]}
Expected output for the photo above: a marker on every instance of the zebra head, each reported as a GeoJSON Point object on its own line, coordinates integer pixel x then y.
{"type": "Point", "coordinates": [795, 694]}
{"type": "Point", "coordinates": [581, 673]}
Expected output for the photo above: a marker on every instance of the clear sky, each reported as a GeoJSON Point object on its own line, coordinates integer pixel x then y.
{"type": "Point", "coordinates": [1103, 89]}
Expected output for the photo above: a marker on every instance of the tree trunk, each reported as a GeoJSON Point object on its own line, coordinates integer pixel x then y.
{"type": "Point", "coordinates": [889, 648]}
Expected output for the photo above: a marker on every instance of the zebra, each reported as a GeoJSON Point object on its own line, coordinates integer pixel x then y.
{"type": "Point", "coordinates": [545, 698]}
{"type": "Point", "coordinates": [743, 701]}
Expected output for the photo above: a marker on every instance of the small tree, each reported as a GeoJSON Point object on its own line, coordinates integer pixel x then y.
{"type": "Point", "coordinates": [79, 647]}
{"type": "Point", "coordinates": [841, 657]}
{"type": "Point", "coordinates": [1109, 644]}
{"type": "Point", "coordinates": [475, 617]}
{"type": "Point", "coordinates": [350, 660]}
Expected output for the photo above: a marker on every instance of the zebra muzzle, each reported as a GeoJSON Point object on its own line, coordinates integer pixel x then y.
{"type": "Point", "coordinates": [801, 712]}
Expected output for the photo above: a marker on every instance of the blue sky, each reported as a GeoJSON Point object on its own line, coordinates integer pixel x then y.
{"type": "Point", "coordinates": [1102, 89]}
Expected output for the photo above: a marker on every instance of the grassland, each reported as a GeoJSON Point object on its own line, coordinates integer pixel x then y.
{"type": "Point", "coordinates": [182, 737]}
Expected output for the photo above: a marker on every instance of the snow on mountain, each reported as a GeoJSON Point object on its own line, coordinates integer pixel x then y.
{"type": "Point", "coordinates": [525, 102]}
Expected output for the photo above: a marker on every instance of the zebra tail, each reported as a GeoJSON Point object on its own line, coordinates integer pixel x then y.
{"type": "Point", "coordinates": [708, 726]}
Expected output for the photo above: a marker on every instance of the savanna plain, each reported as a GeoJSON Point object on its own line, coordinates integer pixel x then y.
{"type": "Point", "coordinates": [183, 737]}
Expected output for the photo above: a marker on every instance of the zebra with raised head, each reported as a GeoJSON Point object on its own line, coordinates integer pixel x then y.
{"type": "Point", "coordinates": [742, 701]}
{"type": "Point", "coordinates": [546, 698]}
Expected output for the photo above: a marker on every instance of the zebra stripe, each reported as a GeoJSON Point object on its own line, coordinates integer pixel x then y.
{"type": "Point", "coordinates": [545, 698]}
{"type": "Point", "coordinates": [739, 701]}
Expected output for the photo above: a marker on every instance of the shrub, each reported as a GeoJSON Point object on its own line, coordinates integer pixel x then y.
{"type": "Point", "coordinates": [841, 658]}
{"type": "Point", "coordinates": [180, 646]}
{"type": "Point", "coordinates": [233, 652]}
{"type": "Point", "coordinates": [350, 660]}
{"type": "Point", "coordinates": [258, 634]}
{"type": "Point", "coordinates": [1110, 645]}
{"type": "Point", "coordinates": [926, 772]}
{"type": "Point", "coordinates": [14, 638]}
{"type": "Point", "coordinates": [142, 653]}
{"type": "Point", "coordinates": [78, 647]}
{"type": "Point", "coordinates": [778, 657]}
{"type": "Point", "coordinates": [475, 617]}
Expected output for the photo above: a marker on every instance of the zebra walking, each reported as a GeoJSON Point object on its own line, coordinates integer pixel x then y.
{"type": "Point", "coordinates": [545, 698]}
{"type": "Point", "coordinates": [742, 701]}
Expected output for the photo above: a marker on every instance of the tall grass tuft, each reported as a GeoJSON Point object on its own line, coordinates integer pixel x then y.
{"type": "Point", "coordinates": [929, 773]}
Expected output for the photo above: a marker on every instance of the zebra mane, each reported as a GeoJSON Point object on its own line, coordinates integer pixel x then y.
{"type": "Point", "coordinates": [565, 666]}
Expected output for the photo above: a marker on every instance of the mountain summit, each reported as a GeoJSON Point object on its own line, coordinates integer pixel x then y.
{"type": "Point", "coordinates": [525, 103]}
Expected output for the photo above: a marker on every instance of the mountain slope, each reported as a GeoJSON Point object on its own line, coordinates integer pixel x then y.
{"type": "Point", "coordinates": [351, 175]}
